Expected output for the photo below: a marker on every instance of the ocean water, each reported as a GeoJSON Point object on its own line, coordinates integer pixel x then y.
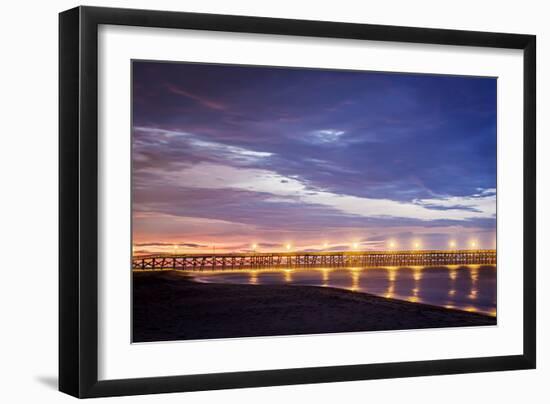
{"type": "Point", "coordinates": [465, 287]}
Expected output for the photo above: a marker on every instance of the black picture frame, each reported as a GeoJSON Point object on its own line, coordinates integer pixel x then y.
{"type": "Point", "coordinates": [78, 201]}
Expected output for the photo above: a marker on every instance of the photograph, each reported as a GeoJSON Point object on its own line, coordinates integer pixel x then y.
{"type": "Point", "coordinates": [284, 201]}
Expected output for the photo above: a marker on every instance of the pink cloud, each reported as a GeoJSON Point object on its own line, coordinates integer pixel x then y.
{"type": "Point", "coordinates": [201, 100]}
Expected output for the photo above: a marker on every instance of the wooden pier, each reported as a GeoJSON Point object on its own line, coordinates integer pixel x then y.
{"type": "Point", "coordinates": [314, 259]}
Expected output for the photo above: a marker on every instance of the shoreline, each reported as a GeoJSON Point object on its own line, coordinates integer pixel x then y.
{"type": "Point", "coordinates": [170, 306]}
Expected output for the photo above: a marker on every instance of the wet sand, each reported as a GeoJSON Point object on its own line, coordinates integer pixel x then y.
{"type": "Point", "coordinates": [170, 306]}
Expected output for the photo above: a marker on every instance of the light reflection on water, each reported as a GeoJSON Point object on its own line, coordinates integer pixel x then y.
{"type": "Point", "coordinates": [464, 287]}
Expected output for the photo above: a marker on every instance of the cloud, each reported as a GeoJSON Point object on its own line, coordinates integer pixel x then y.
{"type": "Point", "coordinates": [201, 100]}
{"type": "Point", "coordinates": [325, 136]}
{"type": "Point", "coordinates": [483, 204]}
{"type": "Point", "coordinates": [230, 152]}
{"type": "Point", "coordinates": [161, 244]}
{"type": "Point", "coordinates": [217, 176]}
{"type": "Point", "coordinates": [158, 140]}
{"type": "Point", "coordinates": [485, 192]}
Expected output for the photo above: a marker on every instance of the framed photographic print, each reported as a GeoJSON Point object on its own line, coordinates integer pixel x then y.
{"type": "Point", "coordinates": [250, 201]}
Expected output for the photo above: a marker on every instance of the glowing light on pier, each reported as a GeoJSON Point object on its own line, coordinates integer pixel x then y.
{"type": "Point", "coordinates": [354, 243]}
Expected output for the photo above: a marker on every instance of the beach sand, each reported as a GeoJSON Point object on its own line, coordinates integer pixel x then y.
{"type": "Point", "coordinates": [169, 306]}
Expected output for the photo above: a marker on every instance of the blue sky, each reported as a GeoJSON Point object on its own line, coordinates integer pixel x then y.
{"type": "Point", "coordinates": [230, 156]}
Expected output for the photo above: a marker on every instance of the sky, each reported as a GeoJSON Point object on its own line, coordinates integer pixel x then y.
{"type": "Point", "coordinates": [232, 158]}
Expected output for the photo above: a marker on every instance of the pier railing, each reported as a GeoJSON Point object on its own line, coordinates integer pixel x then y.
{"type": "Point", "coordinates": [313, 259]}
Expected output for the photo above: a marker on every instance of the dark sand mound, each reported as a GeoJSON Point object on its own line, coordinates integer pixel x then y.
{"type": "Point", "coordinates": [169, 306]}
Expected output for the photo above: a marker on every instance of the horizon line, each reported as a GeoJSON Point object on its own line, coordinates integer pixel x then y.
{"type": "Point", "coordinates": [287, 253]}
